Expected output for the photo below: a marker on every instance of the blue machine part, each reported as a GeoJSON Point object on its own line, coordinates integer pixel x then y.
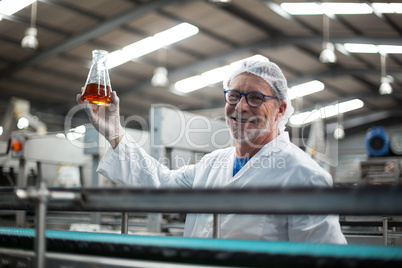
{"type": "Point", "coordinates": [377, 141]}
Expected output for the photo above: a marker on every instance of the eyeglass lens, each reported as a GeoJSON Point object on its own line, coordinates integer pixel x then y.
{"type": "Point", "coordinates": [253, 99]}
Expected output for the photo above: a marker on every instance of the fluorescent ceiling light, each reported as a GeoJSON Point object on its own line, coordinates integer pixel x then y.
{"type": "Point", "coordinates": [220, 1]}
{"type": "Point", "coordinates": [9, 7]}
{"type": "Point", "coordinates": [388, 7]}
{"type": "Point", "coordinates": [150, 44]}
{"type": "Point", "coordinates": [326, 8]}
{"type": "Point", "coordinates": [310, 8]}
{"type": "Point", "coordinates": [361, 48]}
{"type": "Point", "coordinates": [325, 112]}
{"type": "Point", "coordinates": [208, 78]}
{"type": "Point", "coordinates": [305, 89]}
{"type": "Point", "coordinates": [216, 75]}
{"type": "Point", "coordinates": [302, 8]}
{"type": "Point", "coordinates": [190, 84]}
{"type": "Point", "coordinates": [141, 48]}
{"type": "Point", "coordinates": [341, 48]}
{"type": "Point", "coordinates": [370, 48]}
{"type": "Point", "coordinates": [175, 34]}
{"type": "Point", "coordinates": [390, 49]}
{"type": "Point", "coordinates": [116, 58]}
{"type": "Point", "coordinates": [199, 81]}
{"type": "Point", "coordinates": [346, 8]}
{"type": "Point", "coordinates": [278, 10]}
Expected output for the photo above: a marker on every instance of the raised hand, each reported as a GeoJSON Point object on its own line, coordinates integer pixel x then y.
{"type": "Point", "coordinates": [106, 119]}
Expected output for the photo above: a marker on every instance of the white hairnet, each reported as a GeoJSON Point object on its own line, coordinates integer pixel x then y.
{"type": "Point", "coordinates": [272, 74]}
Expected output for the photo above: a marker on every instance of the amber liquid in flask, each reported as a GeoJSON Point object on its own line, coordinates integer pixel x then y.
{"type": "Point", "coordinates": [97, 88]}
{"type": "Point", "coordinates": [97, 94]}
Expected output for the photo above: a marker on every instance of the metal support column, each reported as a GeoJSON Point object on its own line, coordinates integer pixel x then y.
{"type": "Point", "coordinates": [95, 217]}
{"type": "Point", "coordinates": [40, 220]}
{"type": "Point", "coordinates": [124, 223]}
{"type": "Point", "coordinates": [296, 139]}
{"type": "Point", "coordinates": [385, 230]}
{"type": "Point", "coordinates": [92, 137]}
{"type": "Point", "coordinates": [20, 216]}
{"type": "Point", "coordinates": [217, 226]}
{"type": "Point", "coordinates": [154, 222]}
{"type": "Point", "coordinates": [158, 151]}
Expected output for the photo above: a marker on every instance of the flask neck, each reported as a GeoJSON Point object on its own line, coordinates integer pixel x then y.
{"type": "Point", "coordinates": [99, 56]}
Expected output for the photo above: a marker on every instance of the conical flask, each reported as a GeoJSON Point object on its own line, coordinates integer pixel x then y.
{"type": "Point", "coordinates": [98, 89]}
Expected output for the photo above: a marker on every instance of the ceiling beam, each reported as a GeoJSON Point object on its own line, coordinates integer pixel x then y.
{"type": "Point", "coordinates": [277, 42]}
{"type": "Point", "coordinates": [193, 69]}
{"type": "Point", "coordinates": [353, 122]}
{"type": "Point", "coordinates": [201, 29]}
{"type": "Point", "coordinates": [250, 19]}
{"type": "Point", "coordinates": [340, 71]}
{"type": "Point", "coordinates": [385, 18]}
{"type": "Point", "coordinates": [74, 8]}
{"type": "Point", "coordinates": [278, 10]}
{"type": "Point", "coordinates": [92, 33]}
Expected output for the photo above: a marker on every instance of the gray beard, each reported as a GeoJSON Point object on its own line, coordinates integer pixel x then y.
{"type": "Point", "coordinates": [263, 126]}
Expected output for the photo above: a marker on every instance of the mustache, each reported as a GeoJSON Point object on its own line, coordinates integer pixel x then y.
{"type": "Point", "coordinates": [247, 118]}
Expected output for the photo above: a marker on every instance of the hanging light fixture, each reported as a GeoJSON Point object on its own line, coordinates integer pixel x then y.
{"type": "Point", "coordinates": [339, 132]}
{"type": "Point", "coordinates": [30, 40]}
{"type": "Point", "coordinates": [328, 53]}
{"type": "Point", "coordinates": [386, 80]}
{"type": "Point", "coordinates": [160, 77]}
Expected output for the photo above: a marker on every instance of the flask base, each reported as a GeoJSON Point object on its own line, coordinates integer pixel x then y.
{"type": "Point", "coordinates": [97, 94]}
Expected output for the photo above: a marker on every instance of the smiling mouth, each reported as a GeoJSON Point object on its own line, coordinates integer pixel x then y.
{"type": "Point", "coordinates": [242, 121]}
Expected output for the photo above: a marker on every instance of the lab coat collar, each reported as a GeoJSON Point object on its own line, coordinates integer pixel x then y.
{"type": "Point", "coordinates": [276, 145]}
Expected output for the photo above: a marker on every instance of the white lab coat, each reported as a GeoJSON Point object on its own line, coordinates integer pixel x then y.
{"type": "Point", "coordinates": [278, 164]}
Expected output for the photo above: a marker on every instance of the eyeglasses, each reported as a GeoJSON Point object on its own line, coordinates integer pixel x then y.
{"type": "Point", "coordinates": [253, 99]}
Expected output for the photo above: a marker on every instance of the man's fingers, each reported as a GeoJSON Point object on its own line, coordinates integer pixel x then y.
{"type": "Point", "coordinates": [89, 111]}
{"type": "Point", "coordinates": [115, 99]}
{"type": "Point", "coordinates": [78, 98]}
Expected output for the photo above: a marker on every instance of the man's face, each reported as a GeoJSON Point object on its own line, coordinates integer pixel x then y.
{"type": "Point", "coordinates": [246, 123]}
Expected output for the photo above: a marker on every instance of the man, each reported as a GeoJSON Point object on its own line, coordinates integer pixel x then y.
{"type": "Point", "coordinates": [257, 109]}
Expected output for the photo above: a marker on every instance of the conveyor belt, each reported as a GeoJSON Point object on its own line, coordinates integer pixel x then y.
{"type": "Point", "coordinates": [238, 253]}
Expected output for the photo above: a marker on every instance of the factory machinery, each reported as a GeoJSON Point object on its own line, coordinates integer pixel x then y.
{"type": "Point", "coordinates": [53, 248]}
{"type": "Point", "coordinates": [34, 196]}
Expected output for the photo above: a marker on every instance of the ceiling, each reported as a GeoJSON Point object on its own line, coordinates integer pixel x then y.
{"type": "Point", "coordinates": [68, 30]}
